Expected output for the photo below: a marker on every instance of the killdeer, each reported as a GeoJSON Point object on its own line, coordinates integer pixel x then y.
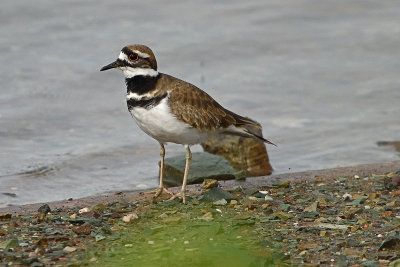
{"type": "Point", "coordinates": [171, 110]}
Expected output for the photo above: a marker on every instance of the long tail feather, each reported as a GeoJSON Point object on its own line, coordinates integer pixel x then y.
{"type": "Point", "coordinates": [247, 127]}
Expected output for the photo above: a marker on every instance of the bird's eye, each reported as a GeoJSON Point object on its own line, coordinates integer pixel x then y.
{"type": "Point", "coordinates": [133, 57]}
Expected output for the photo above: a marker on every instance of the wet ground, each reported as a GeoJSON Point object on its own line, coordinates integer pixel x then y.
{"type": "Point", "coordinates": [338, 217]}
{"type": "Point", "coordinates": [321, 77]}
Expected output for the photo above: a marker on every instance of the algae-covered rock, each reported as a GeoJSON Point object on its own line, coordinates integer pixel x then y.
{"type": "Point", "coordinates": [203, 166]}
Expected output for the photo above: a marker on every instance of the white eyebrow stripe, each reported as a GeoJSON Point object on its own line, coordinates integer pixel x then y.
{"type": "Point", "coordinates": [141, 54]}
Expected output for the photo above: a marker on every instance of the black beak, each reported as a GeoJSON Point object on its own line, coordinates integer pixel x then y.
{"type": "Point", "coordinates": [113, 65]}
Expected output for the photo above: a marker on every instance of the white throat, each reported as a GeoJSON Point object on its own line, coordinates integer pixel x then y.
{"type": "Point", "coordinates": [130, 72]}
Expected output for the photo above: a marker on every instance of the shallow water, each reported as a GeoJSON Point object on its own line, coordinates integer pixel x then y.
{"type": "Point", "coordinates": [321, 77]}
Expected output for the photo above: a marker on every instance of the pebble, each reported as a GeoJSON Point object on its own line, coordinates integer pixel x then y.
{"type": "Point", "coordinates": [347, 196]}
{"type": "Point", "coordinates": [221, 202]}
{"type": "Point", "coordinates": [130, 217]}
{"type": "Point", "coordinates": [69, 249]}
{"type": "Point", "coordinates": [268, 198]}
{"type": "Point", "coordinates": [209, 183]}
{"type": "Point", "coordinates": [84, 210]}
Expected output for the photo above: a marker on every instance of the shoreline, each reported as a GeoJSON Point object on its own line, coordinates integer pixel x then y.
{"type": "Point", "coordinates": [327, 174]}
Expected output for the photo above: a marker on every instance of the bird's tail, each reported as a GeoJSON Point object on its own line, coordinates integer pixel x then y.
{"type": "Point", "coordinates": [246, 127]}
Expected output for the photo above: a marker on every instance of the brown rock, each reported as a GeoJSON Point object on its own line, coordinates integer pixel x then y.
{"type": "Point", "coordinates": [242, 153]}
{"type": "Point", "coordinates": [209, 183]}
{"type": "Point", "coordinates": [83, 229]}
{"type": "Point", "coordinates": [5, 217]}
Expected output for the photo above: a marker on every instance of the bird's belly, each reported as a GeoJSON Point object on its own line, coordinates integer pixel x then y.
{"type": "Point", "coordinates": [162, 125]}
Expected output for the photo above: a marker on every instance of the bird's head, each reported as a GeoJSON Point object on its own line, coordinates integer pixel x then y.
{"type": "Point", "coordinates": [135, 60]}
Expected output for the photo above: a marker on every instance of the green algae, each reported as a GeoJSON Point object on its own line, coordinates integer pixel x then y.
{"type": "Point", "coordinates": [189, 239]}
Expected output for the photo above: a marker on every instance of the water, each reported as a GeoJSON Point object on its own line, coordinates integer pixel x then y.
{"type": "Point", "coordinates": [320, 76]}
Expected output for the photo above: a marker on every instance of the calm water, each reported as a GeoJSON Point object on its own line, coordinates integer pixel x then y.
{"type": "Point", "coordinates": [322, 77]}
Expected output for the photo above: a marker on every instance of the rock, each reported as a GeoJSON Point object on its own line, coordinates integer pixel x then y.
{"type": "Point", "coordinates": [268, 198]}
{"type": "Point", "coordinates": [83, 229]}
{"type": "Point", "coordinates": [216, 194]}
{"type": "Point", "coordinates": [332, 226]}
{"type": "Point", "coordinates": [312, 208]}
{"type": "Point", "coordinates": [371, 264]}
{"type": "Point", "coordinates": [84, 210]}
{"type": "Point", "coordinates": [347, 196]}
{"type": "Point", "coordinates": [130, 217]}
{"type": "Point", "coordinates": [209, 183]}
{"type": "Point", "coordinates": [396, 180]}
{"type": "Point", "coordinates": [203, 166]}
{"type": "Point", "coordinates": [99, 237]}
{"type": "Point", "coordinates": [391, 242]}
{"type": "Point", "coordinates": [5, 217]}
{"type": "Point", "coordinates": [221, 202]}
{"type": "Point", "coordinates": [69, 249]}
{"type": "Point", "coordinates": [44, 209]}
{"type": "Point", "coordinates": [86, 220]}
{"type": "Point", "coordinates": [356, 202]}
{"type": "Point", "coordinates": [10, 243]}
{"type": "Point", "coordinates": [243, 153]}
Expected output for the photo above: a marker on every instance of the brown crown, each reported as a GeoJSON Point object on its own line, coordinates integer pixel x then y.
{"type": "Point", "coordinates": [147, 50]}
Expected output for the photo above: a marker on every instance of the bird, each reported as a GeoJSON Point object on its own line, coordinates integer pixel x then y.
{"type": "Point", "coordinates": [171, 110]}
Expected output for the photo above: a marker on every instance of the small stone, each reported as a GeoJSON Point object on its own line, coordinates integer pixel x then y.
{"type": "Point", "coordinates": [5, 216]}
{"type": "Point", "coordinates": [209, 183]}
{"type": "Point", "coordinates": [215, 194]}
{"type": "Point", "coordinates": [73, 216]}
{"type": "Point", "coordinates": [69, 249]}
{"type": "Point", "coordinates": [84, 210]}
{"type": "Point", "coordinates": [84, 220]}
{"type": "Point", "coordinates": [348, 251]}
{"type": "Point", "coordinates": [44, 209]}
{"type": "Point", "coordinates": [396, 180]}
{"type": "Point", "coordinates": [310, 215]}
{"type": "Point", "coordinates": [268, 198]}
{"type": "Point", "coordinates": [129, 245]}
{"type": "Point", "coordinates": [312, 207]}
{"type": "Point", "coordinates": [371, 264]}
{"type": "Point", "coordinates": [10, 243]}
{"type": "Point", "coordinates": [83, 229]}
{"type": "Point", "coordinates": [302, 253]}
{"type": "Point", "coordinates": [233, 202]}
{"type": "Point", "coordinates": [221, 202]}
{"type": "Point", "coordinates": [99, 237]}
{"type": "Point", "coordinates": [208, 215]}
{"type": "Point", "coordinates": [130, 217]}
{"type": "Point", "coordinates": [284, 207]}
{"type": "Point", "coordinates": [347, 196]}
{"type": "Point", "coordinates": [356, 202]}
{"type": "Point", "coordinates": [392, 241]}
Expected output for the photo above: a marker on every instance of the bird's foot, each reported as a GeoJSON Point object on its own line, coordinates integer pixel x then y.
{"type": "Point", "coordinates": [180, 195]}
{"type": "Point", "coordinates": [160, 190]}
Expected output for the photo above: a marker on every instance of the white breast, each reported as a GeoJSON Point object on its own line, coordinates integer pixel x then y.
{"type": "Point", "coordinates": [162, 125]}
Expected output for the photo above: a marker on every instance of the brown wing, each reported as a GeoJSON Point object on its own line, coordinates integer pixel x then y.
{"type": "Point", "coordinates": [196, 108]}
